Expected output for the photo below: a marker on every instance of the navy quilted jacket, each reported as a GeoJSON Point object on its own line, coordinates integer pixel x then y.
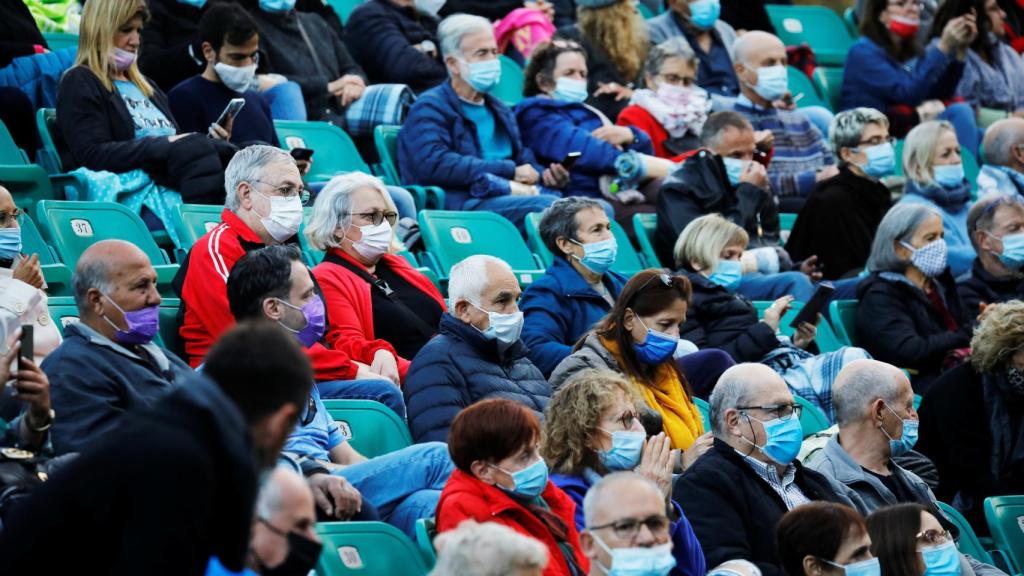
{"type": "Point", "coordinates": [458, 367]}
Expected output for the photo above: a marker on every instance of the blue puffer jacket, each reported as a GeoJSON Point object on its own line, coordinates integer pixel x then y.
{"type": "Point", "coordinates": [39, 75]}
{"type": "Point", "coordinates": [560, 307]}
{"type": "Point", "coordinates": [458, 367]}
{"type": "Point", "coordinates": [438, 146]}
{"type": "Point", "coordinates": [553, 129]}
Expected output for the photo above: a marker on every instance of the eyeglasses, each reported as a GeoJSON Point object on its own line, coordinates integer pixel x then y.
{"type": "Point", "coordinates": [627, 419]}
{"type": "Point", "coordinates": [876, 141]}
{"type": "Point", "coordinates": [287, 190]}
{"type": "Point", "coordinates": [627, 528]}
{"type": "Point", "coordinates": [677, 80]}
{"type": "Point", "coordinates": [780, 411]}
{"type": "Point", "coordinates": [376, 217]}
{"type": "Point", "coordinates": [665, 279]}
{"type": "Point", "coordinates": [934, 537]}
{"type": "Point", "coordinates": [8, 218]}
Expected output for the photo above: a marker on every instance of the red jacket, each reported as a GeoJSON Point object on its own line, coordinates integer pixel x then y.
{"type": "Point", "coordinates": [350, 309]}
{"type": "Point", "coordinates": [634, 115]}
{"type": "Point", "coordinates": [205, 297]}
{"type": "Point", "coordinates": [466, 498]}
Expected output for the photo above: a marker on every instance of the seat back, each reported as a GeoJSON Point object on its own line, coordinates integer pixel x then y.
{"type": "Point", "coordinates": [426, 530]}
{"type": "Point", "coordinates": [312, 255]}
{"type": "Point", "coordinates": [826, 338]}
{"type": "Point", "coordinates": [63, 311]}
{"type": "Point", "coordinates": [820, 27]}
{"type": "Point", "coordinates": [10, 154]}
{"type": "Point", "coordinates": [28, 184]}
{"type": "Point", "coordinates": [75, 226]}
{"type": "Point", "coordinates": [850, 19]}
{"type": "Point", "coordinates": [801, 87]}
{"type": "Point", "coordinates": [385, 139]}
{"type": "Point", "coordinates": [645, 225]}
{"type": "Point", "coordinates": [627, 261]}
{"type": "Point", "coordinates": [829, 80]}
{"type": "Point", "coordinates": [60, 40]}
{"type": "Point", "coordinates": [812, 419]}
{"type": "Point", "coordinates": [842, 315]}
{"type": "Point", "coordinates": [56, 274]}
{"type": "Point", "coordinates": [367, 549]}
{"type": "Point", "coordinates": [450, 236]}
{"type": "Point", "coordinates": [371, 427]}
{"type": "Point", "coordinates": [344, 8]}
{"type": "Point", "coordinates": [705, 411]}
{"type": "Point", "coordinates": [46, 124]}
{"type": "Point", "coordinates": [510, 88]}
{"type": "Point", "coordinates": [334, 152]}
{"type": "Point", "coordinates": [193, 221]}
{"type": "Point", "coordinates": [1005, 517]}
{"type": "Point", "coordinates": [968, 543]}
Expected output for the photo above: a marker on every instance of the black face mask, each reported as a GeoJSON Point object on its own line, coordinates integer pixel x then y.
{"type": "Point", "coordinates": [302, 556]}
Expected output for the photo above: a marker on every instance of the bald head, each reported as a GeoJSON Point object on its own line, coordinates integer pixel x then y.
{"type": "Point", "coordinates": [1002, 143]}
{"type": "Point", "coordinates": [113, 277]}
{"type": "Point", "coordinates": [607, 498]}
{"type": "Point", "coordinates": [746, 384]}
{"type": "Point", "coordinates": [860, 383]}
{"type": "Point", "coordinates": [752, 46]}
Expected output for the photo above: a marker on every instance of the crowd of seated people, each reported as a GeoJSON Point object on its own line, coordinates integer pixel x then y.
{"type": "Point", "coordinates": [587, 420]}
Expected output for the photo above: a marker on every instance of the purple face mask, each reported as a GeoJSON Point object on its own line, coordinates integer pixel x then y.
{"type": "Point", "coordinates": [122, 59]}
{"type": "Point", "coordinates": [316, 321]}
{"type": "Point", "coordinates": [143, 324]}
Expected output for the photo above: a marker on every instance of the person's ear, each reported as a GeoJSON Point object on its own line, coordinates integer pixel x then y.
{"type": "Point", "coordinates": [452, 63]}
{"type": "Point", "coordinates": [483, 471]}
{"type": "Point", "coordinates": [544, 82]}
{"type": "Point", "coordinates": [95, 301]}
{"type": "Point", "coordinates": [627, 321]}
{"type": "Point", "coordinates": [565, 245]}
{"type": "Point", "coordinates": [272, 309]}
{"type": "Point", "coordinates": [209, 53]}
{"type": "Point", "coordinates": [461, 309]}
{"type": "Point", "coordinates": [901, 250]}
{"type": "Point", "coordinates": [244, 193]}
{"type": "Point", "coordinates": [878, 410]}
{"type": "Point", "coordinates": [587, 545]}
{"type": "Point", "coordinates": [812, 567]}
{"type": "Point", "coordinates": [845, 154]}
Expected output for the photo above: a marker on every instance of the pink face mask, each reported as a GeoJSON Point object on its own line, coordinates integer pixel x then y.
{"type": "Point", "coordinates": [122, 59]}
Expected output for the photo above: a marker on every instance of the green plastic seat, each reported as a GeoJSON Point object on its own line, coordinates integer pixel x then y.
{"type": "Point", "coordinates": [193, 221]}
{"type": "Point", "coordinates": [627, 261]}
{"type": "Point", "coordinates": [60, 40]}
{"type": "Point", "coordinates": [819, 27]}
{"type": "Point", "coordinates": [826, 338]}
{"type": "Point", "coordinates": [426, 529]}
{"type": "Point", "coordinates": [28, 185]}
{"type": "Point", "coordinates": [850, 19]}
{"type": "Point", "coordinates": [801, 87]}
{"type": "Point", "coordinates": [56, 274]}
{"type": "Point", "coordinates": [66, 186]}
{"type": "Point", "coordinates": [645, 11]}
{"type": "Point", "coordinates": [645, 226]}
{"type": "Point", "coordinates": [9, 151]}
{"type": "Point", "coordinates": [344, 8]}
{"type": "Point", "coordinates": [1005, 518]}
{"type": "Point", "coordinates": [812, 419]}
{"type": "Point", "coordinates": [510, 89]}
{"type": "Point", "coordinates": [71, 227]}
{"type": "Point", "coordinates": [969, 543]}
{"type": "Point", "coordinates": [450, 236]}
{"type": "Point", "coordinates": [842, 315]}
{"type": "Point", "coordinates": [371, 427]}
{"type": "Point", "coordinates": [63, 311]}
{"type": "Point", "coordinates": [829, 81]}
{"type": "Point", "coordinates": [367, 549]}
{"type": "Point", "coordinates": [385, 140]}
{"type": "Point", "coordinates": [705, 412]}
{"type": "Point", "coordinates": [786, 221]}
{"type": "Point", "coordinates": [334, 152]}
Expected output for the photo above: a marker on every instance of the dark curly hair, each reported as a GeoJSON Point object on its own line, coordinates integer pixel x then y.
{"type": "Point", "coordinates": [543, 61]}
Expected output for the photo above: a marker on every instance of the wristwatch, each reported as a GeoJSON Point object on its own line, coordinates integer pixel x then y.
{"type": "Point", "coordinates": [50, 418]}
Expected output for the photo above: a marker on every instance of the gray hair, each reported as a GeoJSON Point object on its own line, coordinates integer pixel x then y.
{"type": "Point", "coordinates": [247, 166]}
{"type": "Point", "coordinates": [919, 150]}
{"type": "Point", "coordinates": [861, 383]}
{"type": "Point", "coordinates": [898, 225]}
{"type": "Point", "coordinates": [676, 47]}
{"type": "Point", "coordinates": [731, 391]}
{"type": "Point", "coordinates": [1000, 138]}
{"type": "Point", "coordinates": [454, 28]}
{"type": "Point", "coordinates": [711, 133]}
{"type": "Point", "coordinates": [559, 220]}
{"type": "Point", "coordinates": [468, 278]}
{"type": "Point", "coordinates": [607, 484]}
{"type": "Point", "coordinates": [333, 206]}
{"type": "Point", "coordinates": [848, 126]}
{"type": "Point", "coordinates": [93, 273]}
{"type": "Point", "coordinates": [487, 549]}
{"type": "Point", "coordinates": [983, 213]}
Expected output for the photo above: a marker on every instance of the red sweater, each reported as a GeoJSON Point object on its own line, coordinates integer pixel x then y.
{"type": "Point", "coordinates": [350, 308]}
{"type": "Point", "coordinates": [466, 498]}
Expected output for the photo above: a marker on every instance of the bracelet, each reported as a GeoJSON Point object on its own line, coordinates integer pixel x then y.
{"type": "Point", "coordinates": [52, 415]}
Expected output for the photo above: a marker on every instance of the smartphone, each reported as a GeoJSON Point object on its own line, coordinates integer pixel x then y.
{"type": "Point", "coordinates": [570, 160]}
{"type": "Point", "coordinates": [230, 111]}
{"type": "Point", "coordinates": [301, 154]}
{"type": "Point", "coordinates": [814, 306]}
{"type": "Point", "coordinates": [27, 340]}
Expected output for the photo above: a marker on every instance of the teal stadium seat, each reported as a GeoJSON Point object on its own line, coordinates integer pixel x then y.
{"type": "Point", "coordinates": [372, 428]}
{"type": "Point", "coordinates": [56, 274]}
{"type": "Point", "coordinates": [367, 549]}
{"type": "Point", "coordinates": [819, 27]}
{"type": "Point", "coordinates": [803, 90]}
{"type": "Point", "coordinates": [645, 226]}
{"type": "Point", "coordinates": [510, 88]}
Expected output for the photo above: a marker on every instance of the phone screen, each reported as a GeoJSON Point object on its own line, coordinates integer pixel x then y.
{"type": "Point", "coordinates": [230, 111]}
{"type": "Point", "coordinates": [814, 306]}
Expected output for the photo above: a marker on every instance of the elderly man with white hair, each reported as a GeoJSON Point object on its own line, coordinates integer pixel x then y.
{"type": "Point", "coordinates": [488, 549]}
{"type": "Point", "coordinates": [459, 137]}
{"type": "Point", "coordinates": [800, 156]}
{"type": "Point", "coordinates": [1003, 172]}
{"type": "Point", "coordinates": [735, 494]}
{"type": "Point", "coordinates": [476, 354]}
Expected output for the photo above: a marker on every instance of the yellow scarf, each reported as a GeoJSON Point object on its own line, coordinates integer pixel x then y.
{"type": "Point", "coordinates": [680, 417]}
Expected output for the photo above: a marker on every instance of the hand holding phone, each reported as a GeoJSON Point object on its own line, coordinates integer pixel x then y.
{"type": "Point", "coordinates": [230, 111]}
{"type": "Point", "coordinates": [570, 160]}
{"type": "Point", "coordinates": [815, 305]}
{"type": "Point", "coordinates": [27, 340]}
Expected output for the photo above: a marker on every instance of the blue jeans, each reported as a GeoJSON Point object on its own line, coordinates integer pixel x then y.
{"type": "Point", "coordinates": [846, 289]}
{"type": "Point", "coordinates": [758, 286]}
{"type": "Point", "coordinates": [819, 116]}
{"type": "Point", "coordinates": [964, 122]}
{"type": "Point", "coordinates": [285, 102]}
{"type": "Point", "coordinates": [514, 208]}
{"type": "Point", "coordinates": [405, 485]}
{"type": "Point", "coordinates": [383, 391]}
{"type": "Point", "coordinates": [404, 202]}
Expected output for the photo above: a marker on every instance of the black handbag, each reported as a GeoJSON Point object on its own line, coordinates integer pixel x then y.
{"type": "Point", "coordinates": [21, 471]}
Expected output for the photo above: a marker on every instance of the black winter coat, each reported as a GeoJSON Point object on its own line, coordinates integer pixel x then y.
{"type": "Point", "coordinates": [980, 287]}
{"type": "Point", "coordinates": [701, 187]}
{"type": "Point", "coordinates": [734, 511]}
{"type": "Point", "coordinates": [381, 37]}
{"type": "Point", "coordinates": [718, 319]}
{"type": "Point", "coordinates": [458, 367]}
{"type": "Point", "coordinates": [897, 323]}
{"type": "Point", "coordinates": [171, 49]}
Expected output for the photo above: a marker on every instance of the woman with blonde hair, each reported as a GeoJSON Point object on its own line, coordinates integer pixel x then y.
{"type": "Point", "coordinates": [972, 419]}
{"type": "Point", "coordinates": [592, 427]}
{"type": "Point", "coordinates": [614, 37]}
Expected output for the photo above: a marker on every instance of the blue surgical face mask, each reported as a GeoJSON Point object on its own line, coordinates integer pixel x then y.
{"type": "Point", "coordinates": [657, 348]}
{"type": "Point", "coordinates": [772, 82]}
{"type": "Point", "coordinates": [599, 256]}
{"type": "Point", "coordinates": [783, 439]}
{"type": "Point", "coordinates": [504, 328]}
{"type": "Point", "coordinates": [483, 75]}
{"type": "Point", "coordinates": [653, 561]}
{"type": "Point", "coordinates": [728, 274]}
{"type": "Point", "coordinates": [949, 176]}
{"type": "Point", "coordinates": [905, 443]}
{"type": "Point", "coordinates": [869, 567]}
{"type": "Point", "coordinates": [625, 452]}
{"type": "Point", "coordinates": [10, 243]}
{"type": "Point", "coordinates": [942, 560]}
{"type": "Point", "coordinates": [704, 13]}
{"type": "Point", "coordinates": [734, 168]}
{"type": "Point", "coordinates": [881, 160]}
{"type": "Point", "coordinates": [1012, 255]}
{"type": "Point", "coordinates": [570, 90]}
{"type": "Point", "coordinates": [530, 481]}
{"type": "Point", "coordinates": [277, 6]}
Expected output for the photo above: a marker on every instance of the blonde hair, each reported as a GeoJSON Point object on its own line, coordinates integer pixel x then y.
{"type": "Point", "coordinates": [620, 31]}
{"type": "Point", "coordinates": [574, 413]}
{"type": "Point", "coordinates": [703, 240]}
{"type": "Point", "coordinates": [999, 336]}
{"type": "Point", "coordinates": [101, 20]}
{"type": "Point", "coordinates": [919, 150]}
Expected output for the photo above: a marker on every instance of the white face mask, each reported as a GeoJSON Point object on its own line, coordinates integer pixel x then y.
{"type": "Point", "coordinates": [504, 328]}
{"type": "Point", "coordinates": [237, 78]}
{"type": "Point", "coordinates": [285, 216]}
{"type": "Point", "coordinates": [375, 241]}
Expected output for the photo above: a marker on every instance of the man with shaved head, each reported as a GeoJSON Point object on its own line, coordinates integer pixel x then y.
{"type": "Point", "coordinates": [1003, 172]}
{"type": "Point", "coordinates": [800, 156]}
{"type": "Point", "coordinates": [108, 364]}
{"type": "Point", "coordinates": [735, 493]}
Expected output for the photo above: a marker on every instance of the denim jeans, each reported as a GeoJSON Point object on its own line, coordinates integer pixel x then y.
{"type": "Point", "coordinates": [758, 286]}
{"type": "Point", "coordinates": [404, 202]}
{"type": "Point", "coordinates": [514, 208]}
{"type": "Point", "coordinates": [405, 485]}
{"type": "Point", "coordinates": [383, 391]}
{"type": "Point", "coordinates": [965, 123]}
{"type": "Point", "coordinates": [285, 102]}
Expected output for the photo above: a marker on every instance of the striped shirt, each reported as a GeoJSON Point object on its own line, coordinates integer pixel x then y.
{"type": "Point", "coordinates": [785, 487]}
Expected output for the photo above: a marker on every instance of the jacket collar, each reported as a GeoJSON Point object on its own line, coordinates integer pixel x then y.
{"type": "Point", "coordinates": [489, 349]}
{"type": "Point", "coordinates": [574, 285]}
{"type": "Point", "coordinates": [978, 271]}
{"type": "Point", "coordinates": [498, 501]}
{"type": "Point", "coordinates": [238, 226]}
{"type": "Point", "coordinates": [94, 338]}
{"type": "Point", "coordinates": [847, 471]}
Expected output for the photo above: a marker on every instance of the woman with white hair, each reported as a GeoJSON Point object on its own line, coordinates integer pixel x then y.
{"type": "Point", "coordinates": [381, 311]}
{"type": "Point", "coordinates": [935, 178]}
{"type": "Point", "coordinates": [909, 313]}
{"type": "Point", "coordinates": [488, 549]}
